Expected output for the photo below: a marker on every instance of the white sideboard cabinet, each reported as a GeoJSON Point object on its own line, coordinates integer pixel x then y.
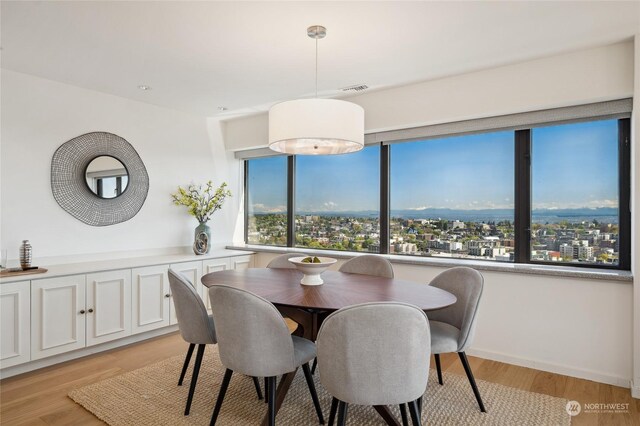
{"type": "Point", "coordinates": [58, 315]}
{"type": "Point", "coordinates": [108, 306]}
{"type": "Point", "coordinates": [94, 306]}
{"type": "Point", "coordinates": [150, 298]}
{"type": "Point", "coordinates": [15, 324]}
{"type": "Point", "coordinates": [215, 265]}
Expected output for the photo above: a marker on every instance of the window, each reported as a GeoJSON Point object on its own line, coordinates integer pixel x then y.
{"type": "Point", "coordinates": [266, 202]}
{"type": "Point", "coordinates": [556, 192]}
{"type": "Point", "coordinates": [453, 197]}
{"type": "Point", "coordinates": [337, 201]}
{"type": "Point", "coordinates": [574, 193]}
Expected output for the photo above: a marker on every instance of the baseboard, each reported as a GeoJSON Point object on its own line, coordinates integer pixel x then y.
{"type": "Point", "coordinates": [68, 356]}
{"type": "Point", "coordinates": [635, 390]}
{"type": "Point", "coordinates": [554, 368]}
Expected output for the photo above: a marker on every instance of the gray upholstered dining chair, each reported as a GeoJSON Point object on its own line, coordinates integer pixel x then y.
{"type": "Point", "coordinates": [196, 328]}
{"type": "Point", "coordinates": [282, 261]}
{"type": "Point", "coordinates": [368, 264]}
{"type": "Point", "coordinates": [381, 365]}
{"type": "Point", "coordinates": [253, 339]}
{"type": "Point", "coordinates": [453, 327]}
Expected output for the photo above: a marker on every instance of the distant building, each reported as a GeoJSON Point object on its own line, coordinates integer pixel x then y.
{"type": "Point", "coordinates": [456, 224]}
{"type": "Point", "coordinates": [405, 248]}
{"type": "Point", "coordinates": [566, 251]}
{"type": "Point", "coordinates": [582, 252]}
{"type": "Point", "coordinates": [509, 243]}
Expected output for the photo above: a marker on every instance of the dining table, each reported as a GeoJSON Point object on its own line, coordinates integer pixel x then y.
{"type": "Point", "coordinates": [308, 305]}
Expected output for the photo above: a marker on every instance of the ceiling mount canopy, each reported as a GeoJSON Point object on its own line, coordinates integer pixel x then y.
{"type": "Point", "coordinates": [316, 126]}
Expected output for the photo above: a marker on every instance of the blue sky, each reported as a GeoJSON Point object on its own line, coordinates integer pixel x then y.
{"type": "Point", "coordinates": [268, 185]}
{"type": "Point", "coordinates": [573, 166]}
{"type": "Point", "coordinates": [463, 172]}
{"type": "Point", "coordinates": [340, 182]}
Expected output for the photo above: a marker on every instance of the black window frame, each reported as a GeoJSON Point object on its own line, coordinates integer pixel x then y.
{"type": "Point", "coordinates": [522, 200]}
{"type": "Point", "coordinates": [290, 183]}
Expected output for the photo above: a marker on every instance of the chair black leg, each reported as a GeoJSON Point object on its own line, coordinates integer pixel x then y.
{"type": "Point", "coordinates": [342, 413]}
{"type": "Point", "coordinates": [194, 378]}
{"type": "Point", "coordinates": [272, 401]}
{"type": "Point", "coordinates": [438, 367]}
{"type": "Point", "coordinates": [256, 383]}
{"type": "Point", "coordinates": [403, 414]}
{"type": "Point", "coordinates": [266, 390]}
{"type": "Point", "coordinates": [419, 402]}
{"type": "Point", "coordinates": [472, 381]}
{"type": "Point", "coordinates": [415, 414]}
{"type": "Point", "coordinates": [315, 364]}
{"type": "Point", "coordinates": [187, 360]}
{"type": "Point", "coordinates": [312, 390]}
{"type": "Point", "coordinates": [223, 390]}
{"type": "Point", "coordinates": [334, 408]}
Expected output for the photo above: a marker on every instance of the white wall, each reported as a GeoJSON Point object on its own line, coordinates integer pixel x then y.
{"type": "Point", "coordinates": [39, 115]}
{"type": "Point", "coordinates": [576, 327]}
{"type": "Point", "coordinates": [590, 75]}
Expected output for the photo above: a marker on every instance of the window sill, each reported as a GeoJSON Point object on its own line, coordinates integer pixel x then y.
{"type": "Point", "coordinates": [558, 271]}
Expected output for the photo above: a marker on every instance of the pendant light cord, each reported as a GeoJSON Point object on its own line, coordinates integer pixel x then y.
{"type": "Point", "coordinates": [316, 68]}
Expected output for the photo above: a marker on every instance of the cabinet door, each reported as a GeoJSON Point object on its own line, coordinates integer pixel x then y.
{"type": "Point", "coordinates": [15, 324]}
{"type": "Point", "coordinates": [108, 306]}
{"type": "Point", "coordinates": [241, 262]}
{"type": "Point", "coordinates": [209, 266]}
{"type": "Point", "coordinates": [193, 272]}
{"type": "Point", "coordinates": [149, 298]}
{"type": "Point", "coordinates": [57, 315]}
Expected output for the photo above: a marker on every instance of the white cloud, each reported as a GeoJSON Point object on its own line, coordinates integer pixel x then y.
{"type": "Point", "coordinates": [262, 208]}
{"type": "Point", "coordinates": [591, 204]}
{"type": "Point", "coordinates": [330, 205]}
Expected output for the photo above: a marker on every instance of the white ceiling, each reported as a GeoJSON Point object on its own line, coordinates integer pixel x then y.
{"type": "Point", "coordinates": [197, 56]}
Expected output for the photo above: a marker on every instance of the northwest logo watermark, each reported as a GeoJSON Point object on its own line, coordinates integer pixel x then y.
{"type": "Point", "coordinates": [574, 408]}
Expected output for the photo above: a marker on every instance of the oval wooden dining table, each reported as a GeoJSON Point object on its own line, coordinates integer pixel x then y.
{"type": "Point", "coordinates": [308, 305]}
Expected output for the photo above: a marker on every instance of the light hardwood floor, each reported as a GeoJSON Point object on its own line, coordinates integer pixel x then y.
{"type": "Point", "coordinates": [40, 397]}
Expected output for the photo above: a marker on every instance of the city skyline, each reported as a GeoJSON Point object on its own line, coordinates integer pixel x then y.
{"type": "Point", "coordinates": [575, 163]}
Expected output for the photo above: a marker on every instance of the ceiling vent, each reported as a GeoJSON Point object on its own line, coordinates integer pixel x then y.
{"type": "Point", "coordinates": [355, 88]}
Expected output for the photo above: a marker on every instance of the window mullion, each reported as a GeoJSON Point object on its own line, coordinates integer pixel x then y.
{"type": "Point", "coordinates": [291, 191]}
{"type": "Point", "coordinates": [522, 196]}
{"type": "Point", "coordinates": [624, 193]}
{"type": "Point", "coordinates": [384, 199]}
{"type": "Point", "coordinates": [246, 201]}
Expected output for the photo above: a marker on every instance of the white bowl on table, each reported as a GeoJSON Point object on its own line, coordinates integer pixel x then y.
{"type": "Point", "coordinates": [312, 271]}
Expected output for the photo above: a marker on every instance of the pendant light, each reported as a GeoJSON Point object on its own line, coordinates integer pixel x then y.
{"type": "Point", "coordinates": [316, 126]}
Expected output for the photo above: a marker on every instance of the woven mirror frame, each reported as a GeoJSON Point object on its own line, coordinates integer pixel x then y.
{"type": "Point", "coordinates": [69, 185]}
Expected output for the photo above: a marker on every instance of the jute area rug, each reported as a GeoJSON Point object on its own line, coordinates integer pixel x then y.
{"type": "Point", "coordinates": [150, 396]}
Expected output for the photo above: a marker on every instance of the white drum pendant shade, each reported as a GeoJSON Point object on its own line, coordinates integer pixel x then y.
{"type": "Point", "coordinates": [316, 127]}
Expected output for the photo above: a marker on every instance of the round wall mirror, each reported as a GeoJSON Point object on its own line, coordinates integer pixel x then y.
{"type": "Point", "coordinates": [99, 179]}
{"type": "Point", "coordinates": [106, 177]}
